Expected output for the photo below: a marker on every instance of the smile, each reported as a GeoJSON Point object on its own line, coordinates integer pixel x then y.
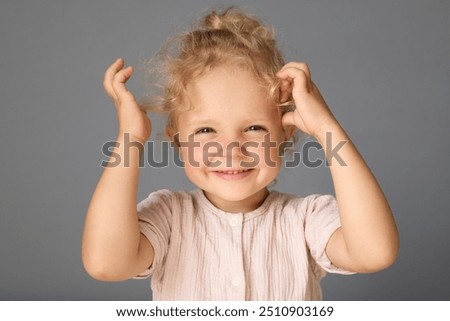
{"type": "Point", "coordinates": [233, 174]}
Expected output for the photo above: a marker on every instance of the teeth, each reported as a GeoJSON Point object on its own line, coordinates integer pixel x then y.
{"type": "Point", "coordinates": [233, 172]}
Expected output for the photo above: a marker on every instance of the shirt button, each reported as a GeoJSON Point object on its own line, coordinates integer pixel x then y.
{"type": "Point", "coordinates": [234, 221]}
{"type": "Point", "coordinates": [236, 281]}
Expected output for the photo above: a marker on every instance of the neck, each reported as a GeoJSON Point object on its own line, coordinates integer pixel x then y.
{"type": "Point", "coordinates": [241, 206]}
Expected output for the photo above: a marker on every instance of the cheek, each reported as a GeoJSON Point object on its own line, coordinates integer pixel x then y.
{"type": "Point", "coordinates": [262, 155]}
{"type": "Point", "coordinates": [269, 150]}
{"type": "Point", "coordinates": [189, 148]}
{"type": "Point", "coordinates": [199, 154]}
{"type": "Point", "coordinates": [192, 157]}
{"type": "Point", "coordinates": [272, 157]}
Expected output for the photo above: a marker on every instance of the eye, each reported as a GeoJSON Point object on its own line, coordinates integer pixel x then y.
{"type": "Point", "coordinates": [204, 130]}
{"type": "Point", "coordinates": [255, 128]}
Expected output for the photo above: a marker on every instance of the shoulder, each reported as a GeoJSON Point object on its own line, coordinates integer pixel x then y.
{"type": "Point", "coordinates": [165, 199]}
{"type": "Point", "coordinates": [302, 204]}
{"type": "Point", "coordinates": [318, 202]}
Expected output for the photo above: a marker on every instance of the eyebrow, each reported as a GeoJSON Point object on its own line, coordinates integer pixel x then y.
{"type": "Point", "coordinates": [201, 121]}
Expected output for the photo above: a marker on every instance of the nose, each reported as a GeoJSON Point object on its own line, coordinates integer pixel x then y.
{"type": "Point", "coordinates": [227, 151]}
{"type": "Point", "coordinates": [233, 151]}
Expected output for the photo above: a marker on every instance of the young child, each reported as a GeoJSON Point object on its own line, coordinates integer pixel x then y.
{"type": "Point", "coordinates": [231, 102]}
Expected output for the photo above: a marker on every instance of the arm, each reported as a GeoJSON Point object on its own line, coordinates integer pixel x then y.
{"type": "Point", "coordinates": [113, 247]}
{"type": "Point", "coordinates": [368, 239]}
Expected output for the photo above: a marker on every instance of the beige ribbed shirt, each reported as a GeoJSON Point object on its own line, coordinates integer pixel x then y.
{"type": "Point", "coordinates": [276, 252]}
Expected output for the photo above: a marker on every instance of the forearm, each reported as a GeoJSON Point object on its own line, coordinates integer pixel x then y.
{"type": "Point", "coordinates": [368, 238]}
{"type": "Point", "coordinates": [111, 235]}
{"type": "Point", "coordinates": [368, 228]}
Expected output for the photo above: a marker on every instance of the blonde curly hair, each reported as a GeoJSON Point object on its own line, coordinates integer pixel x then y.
{"type": "Point", "coordinates": [231, 37]}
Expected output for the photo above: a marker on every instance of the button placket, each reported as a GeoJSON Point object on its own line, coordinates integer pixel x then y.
{"type": "Point", "coordinates": [237, 278]}
{"type": "Point", "coordinates": [234, 222]}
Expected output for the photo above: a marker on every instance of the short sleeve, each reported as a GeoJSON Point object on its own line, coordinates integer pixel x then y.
{"type": "Point", "coordinates": [321, 221]}
{"type": "Point", "coordinates": [155, 220]}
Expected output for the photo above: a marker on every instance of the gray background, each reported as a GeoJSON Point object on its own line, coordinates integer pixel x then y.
{"type": "Point", "coordinates": [383, 67]}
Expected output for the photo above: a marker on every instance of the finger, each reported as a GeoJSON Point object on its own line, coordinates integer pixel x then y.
{"type": "Point", "coordinates": [285, 90]}
{"type": "Point", "coordinates": [118, 84]}
{"type": "Point", "coordinates": [299, 65]}
{"type": "Point", "coordinates": [109, 75]}
{"type": "Point", "coordinates": [299, 77]}
{"type": "Point", "coordinates": [288, 119]}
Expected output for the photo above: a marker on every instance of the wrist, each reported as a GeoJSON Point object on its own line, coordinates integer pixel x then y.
{"type": "Point", "coordinates": [125, 136]}
{"type": "Point", "coordinates": [331, 134]}
{"type": "Point", "coordinates": [331, 125]}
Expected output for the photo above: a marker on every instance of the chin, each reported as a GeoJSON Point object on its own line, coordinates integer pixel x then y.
{"type": "Point", "coordinates": [234, 193]}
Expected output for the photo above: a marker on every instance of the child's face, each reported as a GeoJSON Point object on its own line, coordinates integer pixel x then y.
{"type": "Point", "coordinates": [230, 138]}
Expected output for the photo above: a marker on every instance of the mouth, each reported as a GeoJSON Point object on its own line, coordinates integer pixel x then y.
{"type": "Point", "coordinates": [233, 174]}
{"type": "Point", "coordinates": [233, 171]}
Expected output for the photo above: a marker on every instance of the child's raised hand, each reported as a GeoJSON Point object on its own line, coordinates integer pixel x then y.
{"type": "Point", "coordinates": [311, 114]}
{"type": "Point", "coordinates": [132, 119]}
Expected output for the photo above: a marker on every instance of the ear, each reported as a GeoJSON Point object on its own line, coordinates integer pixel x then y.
{"type": "Point", "coordinates": [289, 131]}
{"type": "Point", "coordinates": [172, 135]}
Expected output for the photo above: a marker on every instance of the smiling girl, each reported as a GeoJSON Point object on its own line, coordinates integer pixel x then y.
{"type": "Point", "coordinates": [230, 93]}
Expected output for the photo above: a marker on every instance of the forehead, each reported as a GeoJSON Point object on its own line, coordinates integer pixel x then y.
{"type": "Point", "coordinates": [226, 88]}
